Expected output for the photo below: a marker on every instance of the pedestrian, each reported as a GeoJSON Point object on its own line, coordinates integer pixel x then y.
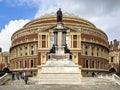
{"type": "Point", "coordinates": [93, 74]}
{"type": "Point", "coordinates": [17, 75]}
{"type": "Point", "coordinates": [26, 79]}
{"type": "Point", "coordinates": [23, 75]}
{"type": "Point", "coordinates": [13, 76]}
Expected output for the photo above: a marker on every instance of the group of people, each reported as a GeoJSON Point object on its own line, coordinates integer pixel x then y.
{"type": "Point", "coordinates": [20, 74]}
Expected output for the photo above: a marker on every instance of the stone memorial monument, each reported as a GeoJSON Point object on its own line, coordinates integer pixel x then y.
{"type": "Point", "coordinates": [60, 68]}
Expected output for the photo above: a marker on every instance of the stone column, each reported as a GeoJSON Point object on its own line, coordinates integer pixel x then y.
{"type": "Point", "coordinates": [35, 48]}
{"type": "Point", "coordinates": [64, 38]}
{"type": "Point", "coordinates": [55, 38]}
{"type": "Point", "coordinates": [59, 39]}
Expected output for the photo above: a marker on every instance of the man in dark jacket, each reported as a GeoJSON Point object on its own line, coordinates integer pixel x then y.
{"type": "Point", "coordinates": [26, 79]}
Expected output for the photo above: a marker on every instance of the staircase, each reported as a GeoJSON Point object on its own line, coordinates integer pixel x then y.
{"type": "Point", "coordinates": [65, 78]}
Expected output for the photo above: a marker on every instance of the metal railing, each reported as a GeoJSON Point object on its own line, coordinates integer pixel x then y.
{"type": "Point", "coordinates": [4, 78]}
{"type": "Point", "coordinates": [116, 78]}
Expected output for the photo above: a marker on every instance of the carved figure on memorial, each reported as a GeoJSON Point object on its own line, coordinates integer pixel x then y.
{"type": "Point", "coordinates": [59, 15]}
{"type": "Point", "coordinates": [53, 49]}
{"type": "Point", "coordinates": [66, 49]}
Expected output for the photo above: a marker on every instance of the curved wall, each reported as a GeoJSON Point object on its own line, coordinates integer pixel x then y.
{"type": "Point", "coordinates": [31, 44]}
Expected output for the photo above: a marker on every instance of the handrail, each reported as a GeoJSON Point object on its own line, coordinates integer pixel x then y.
{"type": "Point", "coordinates": [116, 78]}
{"type": "Point", "coordinates": [4, 78]}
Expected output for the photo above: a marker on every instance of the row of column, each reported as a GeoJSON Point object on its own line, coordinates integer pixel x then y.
{"type": "Point", "coordinates": [20, 51]}
{"type": "Point", "coordinates": [60, 38]}
{"type": "Point", "coordinates": [20, 64]}
{"type": "Point", "coordinates": [96, 64]}
{"type": "Point", "coordinates": [98, 51]}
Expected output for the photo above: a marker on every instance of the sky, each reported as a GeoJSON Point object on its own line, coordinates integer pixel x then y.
{"type": "Point", "coordinates": [14, 14]}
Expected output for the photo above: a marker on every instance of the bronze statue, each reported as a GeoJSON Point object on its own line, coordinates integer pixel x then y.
{"type": "Point", "coordinates": [59, 15]}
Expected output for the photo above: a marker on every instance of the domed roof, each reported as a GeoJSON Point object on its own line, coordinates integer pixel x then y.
{"type": "Point", "coordinates": [70, 21]}
{"type": "Point", "coordinates": [51, 18]}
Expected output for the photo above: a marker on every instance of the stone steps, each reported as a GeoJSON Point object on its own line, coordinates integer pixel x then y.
{"type": "Point", "coordinates": [63, 80]}
{"type": "Point", "coordinates": [59, 79]}
{"type": "Point", "coordinates": [15, 82]}
{"type": "Point", "coordinates": [60, 76]}
{"type": "Point", "coordinates": [21, 82]}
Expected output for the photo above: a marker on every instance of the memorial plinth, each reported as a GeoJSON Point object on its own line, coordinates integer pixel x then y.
{"type": "Point", "coordinates": [60, 72]}
{"type": "Point", "coordinates": [59, 68]}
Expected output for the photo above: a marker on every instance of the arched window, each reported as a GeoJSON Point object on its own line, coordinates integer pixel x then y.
{"type": "Point", "coordinates": [16, 52]}
{"type": "Point", "coordinates": [32, 50]}
{"type": "Point", "coordinates": [74, 41]}
{"type": "Point", "coordinates": [87, 64]}
{"type": "Point", "coordinates": [93, 64]}
{"type": "Point", "coordinates": [20, 51]}
{"type": "Point", "coordinates": [92, 51]}
{"type": "Point", "coordinates": [20, 64]}
{"type": "Point", "coordinates": [31, 63]}
{"type": "Point", "coordinates": [25, 64]}
{"type": "Point", "coordinates": [43, 41]}
{"type": "Point", "coordinates": [86, 50]}
{"type": "Point", "coordinates": [26, 51]}
{"type": "Point", "coordinates": [97, 51]}
{"type": "Point", "coordinates": [98, 64]}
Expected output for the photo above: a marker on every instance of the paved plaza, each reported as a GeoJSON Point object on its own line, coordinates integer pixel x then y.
{"type": "Point", "coordinates": [61, 87]}
{"type": "Point", "coordinates": [87, 83]}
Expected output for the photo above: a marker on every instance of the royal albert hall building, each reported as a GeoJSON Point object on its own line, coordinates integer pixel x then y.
{"type": "Point", "coordinates": [32, 43]}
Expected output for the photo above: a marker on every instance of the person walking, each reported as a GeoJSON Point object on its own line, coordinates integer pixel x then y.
{"type": "Point", "coordinates": [23, 74]}
{"type": "Point", "coordinates": [26, 79]}
{"type": "Point", "coordinates": [13, 76]}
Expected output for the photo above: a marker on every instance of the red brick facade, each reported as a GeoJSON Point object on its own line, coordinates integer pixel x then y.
{"type": "Point", "coordinates": [35, 46]}
{"type": "Point", "coordinates": [24, 38]}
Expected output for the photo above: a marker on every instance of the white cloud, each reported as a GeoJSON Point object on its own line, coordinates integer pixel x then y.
{"type": "Point", "coordinates": [103, 13]}
{"type": "Point", "coordinates": [8, 30]}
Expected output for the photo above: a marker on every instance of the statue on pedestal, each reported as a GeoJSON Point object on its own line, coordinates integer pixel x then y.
{"type": "Point", "coordinates": [66, 50]}
{"type": "Point", "coordinates": [59, 15]}
{"type": "Point", "coordinates": [53, 49]}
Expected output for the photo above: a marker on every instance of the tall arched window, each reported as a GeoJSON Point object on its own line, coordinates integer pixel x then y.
{"type": "Point", "coordinates": [32, 50]}
{"type": "Point", "coordinates": [74, 41]}
{"type": "Point", "coordinates": [31, 63]}
{"type": "Point", "coordinates": [98, 64]}
{"type": "Point", "coordinates": [20, 64]}
{"type": "Point", "coordinates": [20, 51]}
{"type": "Point", "coordinates": [43, 41]}
{"type": "Point", "coordinates": [92, 51]}
{"type": "Point", "coordinates": [26, 51]}
{"type": "Point", "coordinates": [93, 64]}
{"type": "Point", "coordinates": [86, 50]}
{"type": "Point", "coordinates": [87, 64]}
{"type": "Point", "coordinates": [16, 52]}
{"type": "Point", "coordinates": [25, 64]}
{"type": "Point", "coordinates": [97, 51]}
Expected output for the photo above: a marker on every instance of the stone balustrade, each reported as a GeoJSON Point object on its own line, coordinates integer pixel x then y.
{"type": "Point", "coordinates": [4, 78]}
{"type": "Point", "coordinates": [116, 78]}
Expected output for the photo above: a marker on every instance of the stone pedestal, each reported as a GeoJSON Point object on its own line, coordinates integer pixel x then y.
{"type": "Point", "coordinates": [60, 72]}
{"type": "Point", "coordinates": [59, 50]}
